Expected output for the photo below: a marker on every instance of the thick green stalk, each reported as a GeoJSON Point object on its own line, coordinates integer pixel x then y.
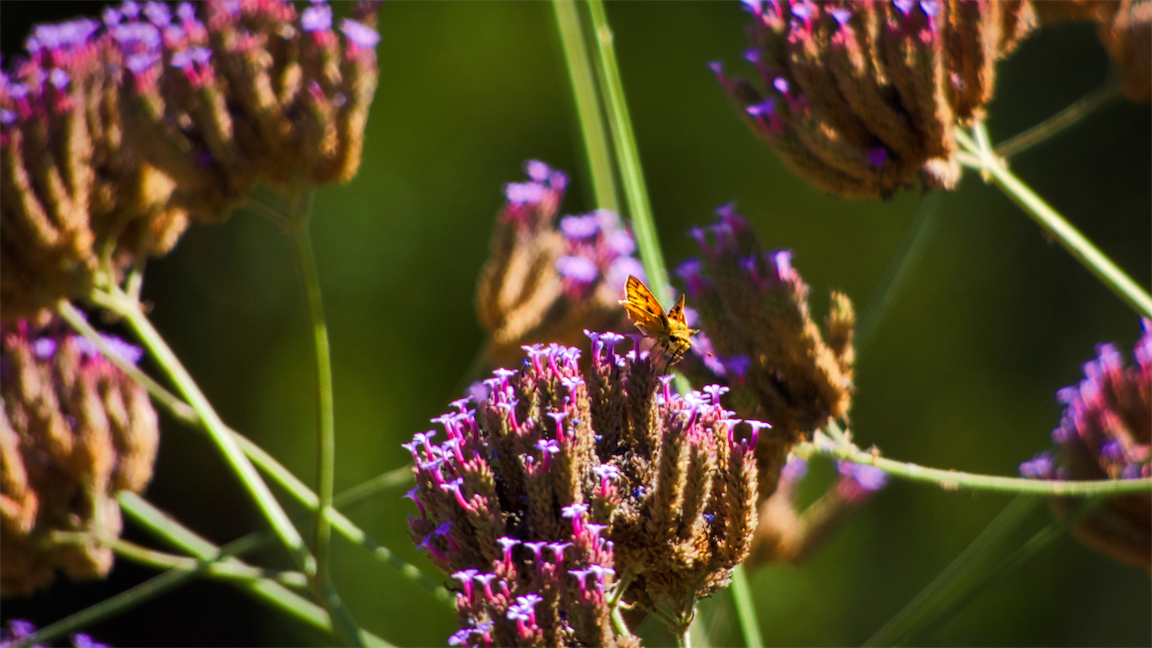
{"type": "Point", "coordinates": [912, 617]}
{"type": "Point", "coordinates": [953, 480]}
{"type": "Point", "coordinates": [635, 191]}
{"type": "Point", "coordinates": [264, 461]}
{"type": "Point", "coordinates": [167, 528]}
{"type": "Point", "coordinates": [325, 409]}
{"type": "Point", "coordinates": [119, 303]}
{"type": "Point", "coordinates": [583, 78]}
{"type": "Point", "coordinates": [745, 610]}
{"type": "Point", "coordinates": [1054, 224]}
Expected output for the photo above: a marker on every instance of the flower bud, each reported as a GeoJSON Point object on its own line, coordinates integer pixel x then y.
{"type": "Point", "coordinates": [861, 98]}
{"type": "Point", "coordinates": [544, 281]}
{"type": "Point", "coordinates": [760, 338]}
{"type": "Point", "coordinates": [1106, 433]}
{"type": "Point", "coordinates": [75, 429]}
{"type": "Point", "coordinates": [562, 485]}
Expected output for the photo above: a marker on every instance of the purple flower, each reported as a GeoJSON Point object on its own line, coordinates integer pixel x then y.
{"type": "Point", "coordinates": [1039, 467]}
{"type": "Point", "coordinates": [317, 18]}
{"type": "Point", "coordinates": [580, 227]}
{"type": "Point", "coordinates": [361, 36]}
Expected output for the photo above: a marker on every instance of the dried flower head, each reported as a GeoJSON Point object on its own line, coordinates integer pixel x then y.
{"type": "Point", "coordinates": [113, 134]}
{"type": "Point", "coordinates": [1106, 433]}
{"type": "Point", "coordinates": [562, 488]}
{"type": "Point", "coordinates": [860, 98]}
{"type": "Point", "coordinates": [786, 534]}
{"type": "Point", "coordinates": [78, 202]}
{"type": "Point", "coordinates": [760, 338]}
{"type": "Point", "coordinates": [225, 94]}
{"type": "Point", "coordinates": [545, 281]}
{"type": "Point", "coordinates": [75, 429]}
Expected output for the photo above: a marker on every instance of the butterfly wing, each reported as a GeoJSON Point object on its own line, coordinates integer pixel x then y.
{"type": "Point", "coordinates": [643, 307]}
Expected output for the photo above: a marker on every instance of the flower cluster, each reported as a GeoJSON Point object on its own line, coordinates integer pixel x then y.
{"type": "Point", "coordinates": [544, 283]}
{"type": "Point", "coordinates": [788, 535]}
{"type": "Point", "coordinates": [113, 134]}
{"type": "Point", "coordinates": [74, 430]}
{"type": "Point", "coordinates": [560, 493]}
{"type": "Point", "coordinates": [1106, 433]}
{"type": "Point", "coordinates": [861, 98]}
{"type": "Point", "coordinates": [759, 336]}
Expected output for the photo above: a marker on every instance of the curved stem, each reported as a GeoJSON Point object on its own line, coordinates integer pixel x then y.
{"type": "Point", "coordinates": [1054, 224]}
{"type": "Point", "coordinates": [1061, 120]}
{"type": "Point", "coordinates": [117, 302]}
{"type": "Point", "coordinates": [954, 480]}
{"type": "Point", "coordinates": [326, 428]}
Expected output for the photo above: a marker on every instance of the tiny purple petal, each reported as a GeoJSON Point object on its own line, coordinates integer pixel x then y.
{"type": "Point", "coordinates": [358, 34]}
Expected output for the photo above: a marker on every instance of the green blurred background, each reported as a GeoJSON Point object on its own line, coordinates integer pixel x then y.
{"type": "Point", "coordinates": [961, 373]}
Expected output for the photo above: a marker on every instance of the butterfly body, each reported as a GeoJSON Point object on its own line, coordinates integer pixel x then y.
{"type": "Point", "coordinates": [669, 330]}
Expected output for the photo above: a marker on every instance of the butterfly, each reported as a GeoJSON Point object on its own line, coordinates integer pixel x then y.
{"type": "Point", "coordinates": [670, 331]}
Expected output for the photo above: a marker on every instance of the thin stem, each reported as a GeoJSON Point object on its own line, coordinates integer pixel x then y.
{"type": "Point", "coordinates": [170, 530]}
{"type": "Point", "coordinates": [580, 71]}
{"type": "Point", "coordinates": [137, 595]}
{"type": "Point", "coordinates": [326, 432]}
{"type": "Point", "coordinates": [1054, 224]}
{"type": "Point", "coordinates": [1058, 122]}
{"type": "Point", "coordinates": [229, 570]}
{"type": "Point", "coordinates": [908, 620]}
{"type": "Point", "coordinates": [745, 610]}
{"type": "Point", "coordinates": [264, 461]}
{"type": "Point", "coordinates": [684, 637]}
{"type": "Point", "coordinates": [911, 251]}
{"type": "Point", "coordinates": [953, 480]}
{"type": "Point", "coordinates": [118, 303]}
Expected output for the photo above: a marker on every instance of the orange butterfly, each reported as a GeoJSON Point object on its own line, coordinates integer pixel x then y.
{"type": "Point", "coordinates": [670, 331]}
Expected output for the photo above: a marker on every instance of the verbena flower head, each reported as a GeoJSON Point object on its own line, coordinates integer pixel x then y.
{"type": "Point", "coordinates": [860, 98]}
{"type": "Point", "coordinates": [779, 365]}
{"type": "Point", "coordinates": [75, 429]}
{"type": "Point", "coordinates": [547, 280]}
{"type": "Point", "coordinates": [1106, 433]}
{"type": "Point", "coordinates": [114, 133]}
{"type": "Point", "coordinates": [557, 486]}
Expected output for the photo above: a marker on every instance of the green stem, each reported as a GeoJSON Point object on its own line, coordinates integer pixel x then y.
{"type": "Point", "coordinates": [326, 433]}
{"type": "Point", "coordinates": [117, 302]}
{"type": "Point", "coordinates": [745, 610]}
{"type": "Point", "coordinates": [936, 618]}
{"type": "Point", "coordinates": [162, 560]}
{"type": "Point", "coordinates": [168, 529]}
{"type": "Point", "coordinates": [635, 192]}
{"type": "Point", "coordinates": [1058, 122]}
{"type": "Point", "coordinates": [913, 616]}
{"type": "Point", "coordinates": [264, 461]}
{"type": "Point", "coordinates": [1054, 224]}
{"type": "Point", "coordinates": [587, 104]}
{"type": "Point", "coordinates": [136, 595]}
{"type": "Point", "coordinates": [911, 251]}
{"type": "Point", "coordinates": [953, 480]}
